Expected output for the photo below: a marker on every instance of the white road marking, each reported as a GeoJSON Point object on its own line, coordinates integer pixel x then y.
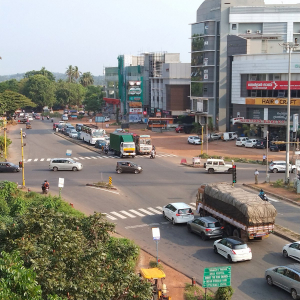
{"type": "Point", "coordinates": [48, 159]}
{"type": "Point", "coordinates": [75, 158]}
{"type": "Point", "coordinates": [93, 157]}
{"type": "Point", "coordinates": [106, 157]}
{"type": "Point", "coordinates": [105, 190]}
{"type": "Point", "coordinates": [42, 159]}
{"type": "Point", "coordinates": [28, 160]}
{"type": "Point", "coordinates": [146, 225]}
{"type": "Point", "coordinates": [118, 215]}
{"type": "Point", "coordinates": [127, 214]}
{"type": "Point", "coordinates": [115, 157]}
{"type": "Point", "coordinates": [159, 207]}
{"type": "Point", "coordinates": [154, 210]}
{"type": "Point", "coordinates": [100, 157]}
{"type": "Point", "coordinates": [110, 217]}
{"type": "Point", "coordinates": [146, 212]}
{"type": "Point", "coordinates": [136, 212]}
{"type": "Point", "coordinates": [36, 159]}
{"type": "Point", "coordinates": [87, 157]}
{"type": "Point", "coordinates": [81, 157]}
{"type": "Point", "coordinates": [274, 200]}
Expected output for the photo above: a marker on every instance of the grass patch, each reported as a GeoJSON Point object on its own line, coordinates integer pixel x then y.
{"type": "Point", "coordinates": [230, 159]}
{"type": "Point", "coordinates": [153, 264]}
{"type": "Point", "coordinates": [103, 185]}
{"type": "Point", "coordinates": [195, 293]}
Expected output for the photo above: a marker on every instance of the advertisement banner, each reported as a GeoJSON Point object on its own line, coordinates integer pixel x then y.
{"type": "Point", "coordinates": [158, 114]}
{"type": "Point", "coordinates": [135, 118]}
{"type": "Point", "coordinates": [258, 121]}
{"type": "Point", "coordinates": [255, 113]}
{"type": "Point", "coordinates": [272, 85]}
{"type": "Point", "coordinates": [280, 114]}
{"type": "Point", "coordinates": [132, 98]}
{"type": "Point", "coordinates": [271, 101]}
{"type": "Point", "coordinates": [135, 110]}
{"type": "Point", "coordinates": [135, 104]}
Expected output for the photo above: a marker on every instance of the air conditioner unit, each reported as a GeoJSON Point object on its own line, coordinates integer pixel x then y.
{"type": "Point", "coordinates": [258, 31]}
{"type": "Point", "coordinates": [249, 31]}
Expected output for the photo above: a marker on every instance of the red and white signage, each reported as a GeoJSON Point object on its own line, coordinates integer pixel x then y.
{"type": "Point", "coordinates": [272, 85]}
{"type": "Point", "coordinates": [135, 110]}
{"type": "Point", "coordinates": [259, 121]}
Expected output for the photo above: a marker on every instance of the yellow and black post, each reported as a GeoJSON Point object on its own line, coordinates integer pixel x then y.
{"type": "Point", "coordinates": [22, 146]}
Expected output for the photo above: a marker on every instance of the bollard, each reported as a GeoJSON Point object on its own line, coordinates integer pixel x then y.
{"type": "Point", "coordinates": [28, 189]}
{"type": "Point", "coordinates": [193, 281]}
{"type": "Point", "coordinates": [109, 180]}
{"type": "Point", "coordinates": [72, 204]}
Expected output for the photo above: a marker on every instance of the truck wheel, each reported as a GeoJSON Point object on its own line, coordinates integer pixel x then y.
{"type": "Point", "coordinates": [228, 230]}
{"type": "Point", "coordinates": [236, 233]}
{"type": "Point", "coordinates": [210, 171]}
{"type": "Point", "coordinates": [121, 155]}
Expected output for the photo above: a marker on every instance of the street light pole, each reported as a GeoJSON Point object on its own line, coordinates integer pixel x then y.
{"type": "Point", "coordinates": [289, 46]}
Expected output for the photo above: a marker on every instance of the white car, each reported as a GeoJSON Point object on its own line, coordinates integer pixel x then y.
{"type": "Point", "coordinates": [233, 248]}
{"type": "Point", "coordinates": [73, 133]}
{"type": "Point", "coordinates": [292, 250]}
{"type": "Point", "coordinates": [241, 141]}
{"type": "Point", "coordinates": [30, 118]}
{"type": "Point", "coordinates": [280, 166]}
{"type": "Point", "coordinates": [196, 140]}
{"type": "Point", "coordinates": [214, 136]}
{"type": "Point", "coordinates": [178, 212]}
{"type": "Point", "coordinates": [250, 143]}
{"type": "Point", "coordinates": [106, 119]}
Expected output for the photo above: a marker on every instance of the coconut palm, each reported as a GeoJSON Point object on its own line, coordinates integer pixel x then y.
{"type": "Point", "coordinates": [76, 73]}
{"type": "Point", "coordinates": [70, 73]}
{"type": "Point", "coordinates": [86, 79]}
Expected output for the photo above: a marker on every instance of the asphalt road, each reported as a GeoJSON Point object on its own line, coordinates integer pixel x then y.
{"type": "Point", "coordinates": [136, 207]}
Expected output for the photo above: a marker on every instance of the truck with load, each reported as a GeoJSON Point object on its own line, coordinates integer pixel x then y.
{"type": "Point", "coordinates": [143, 144]}
{"type": "Point", "coordinates": [122, 144]}
{"type": "Point", "coordinates": [243, 214]}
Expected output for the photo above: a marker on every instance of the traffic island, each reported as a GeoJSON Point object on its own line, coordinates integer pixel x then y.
{"type": "Point", "coordinates": [103, 185]}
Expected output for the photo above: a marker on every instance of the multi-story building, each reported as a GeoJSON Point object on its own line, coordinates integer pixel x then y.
{"type": "Point", "coordinates": [224, 30]}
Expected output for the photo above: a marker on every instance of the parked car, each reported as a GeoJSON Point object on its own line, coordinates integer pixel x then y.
{"type": "Point", "coordinates": [206, 227]}
{"type": "Point", "coordinates": [286, 277]}
{"type": "Point", "coordinates": [106, 119]}
{"type": "Point", "coordinates": [8, 167]}
{"type": "Point", "coordinates": [196, 140]}
{"type": "Point", "coordinates": [119, 130]}
{"type": "Point", "coordinates": [73, 133]}
{"type": "Point", "coordinates": [292, 250]}
{"type": "Point", "coordinates": [37, 117]}
{"type": "Point", "coordinates": [64, 118]}
{"type": "Point", "coordinates": [55, 125]}
{"type": "Point", "coordinates": [100, 143]}
{"type": "Point", "coordinates": [179, 128]}
{"type": "Point", "coordinates": [226, 136]}
{"type": "Point", "coordinates": [280, 166]}
{"type": "Point", "coordinates": [214, 136]}
{"type": "Point", "coordinates": [30, 118]}
{"type": "Point", "coordinates": [128, 167]}
{"type": "Point", "coordinates": [68, 129]}
{"type": "Point", "coordinates": [56, 164]}
{"type": "Point", "coordinates": [241, 141]}
{"type": "Point", "coordinates": [178, 212]}
{"type": "Point", "coordinates": [233, 248]}
{"type": "Point", "coordinates": [277, 147]}
{"type": "Point", "coordinates": [261, 144]}
{"type": "Point", "coordinates": [250, 143]}
{"type": "Point", "coordinates": [217, 165]}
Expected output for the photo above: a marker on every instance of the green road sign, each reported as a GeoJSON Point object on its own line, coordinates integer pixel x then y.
{"type": "Point", "coordinates": [217, 277]}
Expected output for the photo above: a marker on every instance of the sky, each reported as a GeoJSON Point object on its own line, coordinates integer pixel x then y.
{"type": "Point", "coordinates": [91, 34]}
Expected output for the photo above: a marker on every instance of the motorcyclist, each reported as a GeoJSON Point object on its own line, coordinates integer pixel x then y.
{"type": "Point", "coordinates": [47, 117]}
{"type": "Point", "coordinates": [106, 149]}
{"type": "Point", "coordinates": [261, 194]}
{"type": "Point", "coordinates": [24, 134]}
{"type": "Point", "coordinates": [152, 154]}
{"type": "Point", "coordinates": [45, 185]}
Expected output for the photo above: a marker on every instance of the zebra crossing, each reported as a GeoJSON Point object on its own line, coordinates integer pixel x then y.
{"type": "Point", "coordinates": [95, 157]}
{"type": "Point", "coordinates": [140, 212]}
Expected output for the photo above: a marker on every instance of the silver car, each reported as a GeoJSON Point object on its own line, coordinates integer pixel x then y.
{"type": "Point", "coordinates": [206, 227]}
{"type": "Point", "coordinates": [73, 133]}
{"type": "Point", "coordinates": [286, 277]}
{"type": "Point", "coordinates": [64, 164]}
{"type": "Point", "coordinates": [280, 166]}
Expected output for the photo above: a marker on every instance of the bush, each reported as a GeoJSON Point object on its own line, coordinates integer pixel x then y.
{"type": "Point", "coordinates": [8, 142]}
{"type": "Point", "coordinates": [278, 183]}
{"type": "Point", "coordinates": [194, 293]}
{"type": "Point", "coordinates": [153, 264]}
{"type": "Point", "coordinates": [224, 293]}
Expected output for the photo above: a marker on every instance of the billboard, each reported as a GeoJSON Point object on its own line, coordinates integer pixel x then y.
{"type": "Point", "coordinates": [272, 85]}
{"type": "Point", "coordinates": [271, 101]}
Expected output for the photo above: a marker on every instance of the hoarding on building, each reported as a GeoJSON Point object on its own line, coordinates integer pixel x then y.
{"type": "Point", "coordinates": [255, 113]}
{"type": "Point", "coordinates": [272, 85]}
{"type": "Point", "coordinates": [135, 104]}
{"type": "Point", "coordinates": [271, 101]}
{"type": "Point", "coordinates": [135, 110]}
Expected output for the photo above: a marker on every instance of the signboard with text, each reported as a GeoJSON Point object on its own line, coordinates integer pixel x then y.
{"type": "Point", "coordinates": [272, 85]}
{"type": "Point", "coordinates": [217, 277]}
{"type": "Point", "coordinates": [271, 101]}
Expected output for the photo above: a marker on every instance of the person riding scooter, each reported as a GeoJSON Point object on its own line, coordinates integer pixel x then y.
{"type": "Point", "coordinates": [262, 195]}
{"type": "Point", "coordinates": [45, 187]}
{"type": "Point", "coordinates": [106, 149]}
{"type": "Point", "coordinates": [152, 154]}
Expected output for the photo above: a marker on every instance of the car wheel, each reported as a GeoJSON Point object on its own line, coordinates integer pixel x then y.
{"type": "Point", "coordinates": [119, 171]}
{"type": "Point", "coordinates": [189, 229]}
{"type": "Point", "coordinates": [173, 221]}
{"type": "Point", "coordinates": [55, 169]}
{"type": "Point", "coordinates": [203, 236]}
{"type": "Point", "coordinates": [164, 215]}
{"type": "Point", "coordinates": [229, 259]}
{"type": "Point", "coordinates": [285, 254]}
{"type": "Point", "coordinates": [136, 172]}
{"type": "Point", "coordinates": [236, 233]}
{"type": "Point", "coordinates": [210, 171]}
{"type": "Point", "coordinates": [215, 249]}
{"type": "Point", "coordinates": [294, 294]}
{"type": "Point", "coordinates": [269, 280]}
{"type": "Point", "coordinates": [275, 170]}
{"type": "Point", "coordinates": [74, 169]}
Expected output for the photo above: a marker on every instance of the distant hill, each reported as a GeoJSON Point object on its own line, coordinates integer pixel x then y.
{"type": "Point", "coordinates": [98, 80]}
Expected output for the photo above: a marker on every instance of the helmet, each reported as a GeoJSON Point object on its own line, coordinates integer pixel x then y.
{"type": "Point", "coordinates": [261, 190]}
{"type": "Point", "coordinates": [46, 180]}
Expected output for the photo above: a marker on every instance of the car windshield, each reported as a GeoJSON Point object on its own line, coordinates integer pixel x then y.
{"type": "Point", "coordinates": [213, 225]}
{"type": "Point", "coordinates": [196, 138]}
{"type": "Point", "coordinates": [72, 161]}
{"type": "Point", "coordinates": [73, 131]}
{"type": "Point", "coordinates": [183, 211]}
{"type": "Point", "coordinates": [240, 246]}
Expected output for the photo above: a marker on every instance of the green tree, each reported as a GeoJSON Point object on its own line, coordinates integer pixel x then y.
{"type": "Point", "coordinates": [16, 281]}
{"type": "Point", "coordinates": [11, 101]}
{"type": "Point", "coordinates": [93, 100]}
{"type": "Point", "coordinates": [77, 94]}
{"type": "Point", "coordinates": [62, 93]}
{"type": "Point", "coordinates": [43, 72]}
{"type": "Point", "coordinates": [76, 73]}
{"type": "Point", "coordinates": [40, 90]}
{"type": "Point", "coordinates": [87, 79]}
{"type": "Point", "coordinates": [70, 73]}
{"type": "Point", "coordinates": [10, 85]}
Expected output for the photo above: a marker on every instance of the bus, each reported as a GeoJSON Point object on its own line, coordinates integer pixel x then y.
{"type": "Point", "coordinates": [91, 133]}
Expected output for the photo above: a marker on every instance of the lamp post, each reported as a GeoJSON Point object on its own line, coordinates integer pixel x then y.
{"type": "Point", "coordinates": [289, 46]}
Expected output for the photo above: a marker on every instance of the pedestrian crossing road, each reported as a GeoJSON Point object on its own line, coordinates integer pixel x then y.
{"type": "Point", "coordinates": [95, 157]}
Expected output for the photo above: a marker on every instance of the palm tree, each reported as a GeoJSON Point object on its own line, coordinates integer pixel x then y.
{"type": "Point", "coordinates": [70, 73]}
{"type": "Point", "coordinates": [76, 73]}
{"type": "Point", "coordinates": [87, 79]}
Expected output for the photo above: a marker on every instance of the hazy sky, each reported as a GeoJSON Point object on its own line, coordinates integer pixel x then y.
{"type": "Point", "coordinates": [91, 34]}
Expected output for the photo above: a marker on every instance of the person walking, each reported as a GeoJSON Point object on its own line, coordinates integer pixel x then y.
{"type": "Point", "coordinates": [256, 173]}
{"type": "Point", "coordinates": [264, 162]}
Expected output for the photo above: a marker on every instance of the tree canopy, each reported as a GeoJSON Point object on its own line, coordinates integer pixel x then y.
{"type": "Point", "coordinates": [86, 79]}
{"type": "Point", "coordinates": [9, 85]}
{"type": "Point", "coordinates": [43, 72]}
{"type": "Point", "coordinates": [93, 100]}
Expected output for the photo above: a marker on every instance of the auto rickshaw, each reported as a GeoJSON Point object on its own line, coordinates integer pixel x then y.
{"type": "Point", "coordinates": [28, 125]}
{"type": "Point", "coordinates": [153, 274]}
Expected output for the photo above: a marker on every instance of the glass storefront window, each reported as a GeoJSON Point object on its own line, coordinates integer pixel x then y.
{"type": "Point", "coordinates": [197, 89]}
{"type": "Point", "coordinates": [198, 29]}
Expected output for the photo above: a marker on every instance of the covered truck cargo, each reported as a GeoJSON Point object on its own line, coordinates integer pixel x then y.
{"type": "Point", "coordinates": [239, 204]}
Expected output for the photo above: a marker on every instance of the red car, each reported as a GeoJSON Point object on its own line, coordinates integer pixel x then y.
{"type": "Point", "coordinates": [37, 117]}
{"type": "Point", "coordinates": [179, 128]}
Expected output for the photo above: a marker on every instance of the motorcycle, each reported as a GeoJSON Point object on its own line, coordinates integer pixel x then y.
{"type": "Point", "coordinates": [152, 155]}
{"type": "Point", "coordinates": [47, 117]}
{"type": "Point", "coordinates": [106, 150]}
{"type": "Point", "coordinates": [45, 190]}
{"type": "Point", "coordinates": [263, 197]}
{"type": "Point", "coordinates": [24, 135]}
